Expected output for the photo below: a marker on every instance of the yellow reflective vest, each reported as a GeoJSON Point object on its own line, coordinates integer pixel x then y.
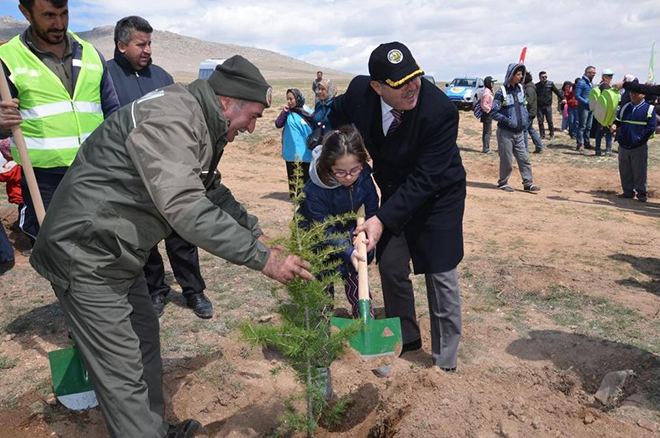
{"type": "Point", "coordinates": [54, 123]}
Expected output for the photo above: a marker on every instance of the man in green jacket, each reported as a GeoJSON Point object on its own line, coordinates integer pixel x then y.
{"type": "Point", "coordinates": [145, 172]}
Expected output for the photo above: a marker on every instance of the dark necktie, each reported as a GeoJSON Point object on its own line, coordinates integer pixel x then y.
{"type": "Point", "coordinates": [398, 115]}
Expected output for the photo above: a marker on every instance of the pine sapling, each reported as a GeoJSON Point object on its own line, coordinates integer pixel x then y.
{"type": "Point", "coordinates": [303, 337]}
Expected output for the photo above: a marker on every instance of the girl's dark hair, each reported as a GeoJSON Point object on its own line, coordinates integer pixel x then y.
{"type": "Point", "coordinates": [336, 144]}
{"type": "Point", "coordinates": [565, 84]}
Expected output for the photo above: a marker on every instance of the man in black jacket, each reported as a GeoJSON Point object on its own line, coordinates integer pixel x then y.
{"type": "Point", "coordinates": [544, 90]}
{"type": "Point", "coordinates": [135, 75]}
{"type": "Point", "coordinates": [410, 129]}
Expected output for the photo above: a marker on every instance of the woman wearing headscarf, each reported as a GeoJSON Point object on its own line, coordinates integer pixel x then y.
{"type": "Point", "coordinates": [326, 91]}
{"type": "Point", "coordinates": [486, 119]}
{"type": "Point", "coordinates": [295, 121]}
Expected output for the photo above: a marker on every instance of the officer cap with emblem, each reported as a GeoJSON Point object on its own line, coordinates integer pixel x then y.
{"type": "Point", "coordinates": [239, 78]}
{"type": "Point", "coordinates": [393, 64]}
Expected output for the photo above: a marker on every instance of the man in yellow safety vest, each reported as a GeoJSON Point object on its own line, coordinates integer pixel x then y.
{"type": "Point", "coordinates": [62, 91]}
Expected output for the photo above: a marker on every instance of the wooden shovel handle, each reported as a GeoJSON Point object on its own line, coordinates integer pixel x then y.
{"type": "Point", "coordinates": [35, 194]}
{"type": "Point", "coordinates": [363, 273]}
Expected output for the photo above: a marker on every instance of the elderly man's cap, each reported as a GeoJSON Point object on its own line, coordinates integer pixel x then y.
{"type": "Point", "coordinates": [393, 64]}
{"type": "Point", "coordinates": [239, 78]}
{"type": "Point", "coordinates": [608, 72]}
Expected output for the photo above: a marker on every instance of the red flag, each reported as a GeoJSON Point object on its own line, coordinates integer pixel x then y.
{"type": "Point", "coordinates": [522, 55]}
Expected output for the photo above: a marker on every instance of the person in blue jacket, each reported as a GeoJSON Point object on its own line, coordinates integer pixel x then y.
{"type": "Point", "coordinates": [585, 115]}
{"type": "Point", "coordinates": [510, 112]}
{"type": "Point", "coordinates": [340, 182]}
{"type": "Point", "coordinates": [635, 125]}
{"type": "Point", "coordinates": [135, 75]}
{"type": "Point", "coordinates": [295, 121]}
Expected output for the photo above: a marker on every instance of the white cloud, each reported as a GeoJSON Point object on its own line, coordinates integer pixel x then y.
{"type": "Point", "coordinates": [447, 38]}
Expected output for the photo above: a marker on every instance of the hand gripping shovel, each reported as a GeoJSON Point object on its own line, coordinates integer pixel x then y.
{"type": "Point", "coordinates": [70, 380]}
{"type": "Point", "coordinates": [378, 338]}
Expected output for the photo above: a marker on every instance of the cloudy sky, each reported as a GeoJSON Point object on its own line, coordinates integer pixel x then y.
{"type": "Point", "coordinates": [448, 39]}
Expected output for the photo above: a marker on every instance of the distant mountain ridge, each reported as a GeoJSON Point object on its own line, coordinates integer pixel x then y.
{"type": "Point", "coordinates": [180, 55]}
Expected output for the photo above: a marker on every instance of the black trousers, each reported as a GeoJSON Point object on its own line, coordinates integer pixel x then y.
{"type": "Point", "coordinates": [47, 181]}
{"type": "Point", "coordinates": [545, 112]}
{"type": "Point", "coordinates": [290, 166]}
{"type": "Point", "coordinates": [184, 259]}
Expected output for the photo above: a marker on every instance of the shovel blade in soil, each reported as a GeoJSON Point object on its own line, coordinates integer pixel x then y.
{"type": "Point", "coordinates": [71, 382]}
{"type": "Point", "coordinates": [379, 338]}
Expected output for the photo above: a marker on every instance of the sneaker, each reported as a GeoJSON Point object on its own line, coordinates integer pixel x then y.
{"type": "Point", "coordinates": [533, 188]}
{"type": "Point", "coordinates": [538, 151]}
{"type": "Point", "coordinates": [200, 305]}
{"type": "Point", "coordinates": [598, 152]}
{"type": "Point", "coordinates": [579, 148]}
{"type": "Point", "coordinates": [186, 429]}
{"type": "Point", "coordinates": [641, 198]}
{"type": "Point", "coordinates": [506, 188]}
{"type": "Point", "coordinates": [552, 137]}
{"type": "Point", "coordinates": [486, 152]}
{"type": "Point", "coordinates": [158, 301]}
{"type": "Point", "coordinates": [625, 195]}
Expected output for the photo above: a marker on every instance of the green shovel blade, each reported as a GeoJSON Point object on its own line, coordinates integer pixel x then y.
{"type": "Point", "coordinates": [71, 382]}
{"type": "Point", "coordinates": [378, 337]}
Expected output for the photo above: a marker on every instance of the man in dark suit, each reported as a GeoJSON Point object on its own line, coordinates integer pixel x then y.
{"type": "Point", "coordinates": [410, 128]}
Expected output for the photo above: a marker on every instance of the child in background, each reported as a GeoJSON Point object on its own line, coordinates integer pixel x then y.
{"type": "Point", "coordinates": [634, 125]}
{"type": "Point", "coordinates": [10, 173]}
{"type": "Point", "coordinates": [486, 120]}
{"type": "Point", "coordinates": [295, 119]}
{"type": "Point", "coordinates": [340, 182]}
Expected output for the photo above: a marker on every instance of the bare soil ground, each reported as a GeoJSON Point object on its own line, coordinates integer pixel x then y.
{"type": "Point", "coordinates": [558, 289]}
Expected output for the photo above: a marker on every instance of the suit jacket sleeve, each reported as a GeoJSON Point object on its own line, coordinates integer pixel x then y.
{"type": "Point", "coordinates": [438, 145]}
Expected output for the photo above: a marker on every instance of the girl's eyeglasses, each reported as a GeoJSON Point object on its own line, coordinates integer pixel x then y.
{"type": "Point", "coordinates": [341, 173]}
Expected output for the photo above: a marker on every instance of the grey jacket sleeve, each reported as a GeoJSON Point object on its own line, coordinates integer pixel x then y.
{"type": "Point", "coordinates": [165, 153]}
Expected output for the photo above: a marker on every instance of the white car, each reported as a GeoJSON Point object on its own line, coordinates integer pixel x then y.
{"type": "Point", "coordinates": [464, 91]}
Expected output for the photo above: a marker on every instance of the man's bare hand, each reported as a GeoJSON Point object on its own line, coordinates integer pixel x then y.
{"type": "Point", "coordinates": [373, 227]}
{"type": "Point", "coordinates": [284, 268]}
{"type": "Point", "coordinates": [618, 85]}
{"type": "Point", "coordinates": [9, 115]}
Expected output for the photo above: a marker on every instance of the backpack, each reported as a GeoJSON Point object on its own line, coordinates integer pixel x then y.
{"type": "Point", "coordinates": [476, 109]}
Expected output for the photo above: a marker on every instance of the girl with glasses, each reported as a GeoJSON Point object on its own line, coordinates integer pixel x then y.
{"type": "Point", "coordinates": [340, 182]}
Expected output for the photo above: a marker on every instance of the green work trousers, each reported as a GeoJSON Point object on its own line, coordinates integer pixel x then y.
{"type": "Point", "coordinates": [118, 337]}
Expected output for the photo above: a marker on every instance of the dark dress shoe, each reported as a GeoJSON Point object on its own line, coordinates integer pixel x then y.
{"type": "Point", "coordinates": [186, 429]}
{"type": "Point", "coordinates": [6, 266]}
{"type": "Point", "coordinates": [158, 302]}
{"type": "Point", "coordinates": [412, 346]}
{"type": "Point", "coordinates": [200, 305]}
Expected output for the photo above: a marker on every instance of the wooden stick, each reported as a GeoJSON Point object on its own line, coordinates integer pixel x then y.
{"type": "Point", "coordinates": [23, 154]}
{"type": "Point", "coordinates": [363, 272]}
